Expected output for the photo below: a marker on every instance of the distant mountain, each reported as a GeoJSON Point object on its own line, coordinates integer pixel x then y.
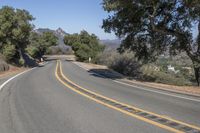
{"type": "Point", "coordinates": [60, 33]}
{"type": "Point", "coordinates": [111, 44]}
{"type": "Point", "coordinates": [41, 30]}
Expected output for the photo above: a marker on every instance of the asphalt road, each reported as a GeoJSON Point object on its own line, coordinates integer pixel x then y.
{"type": "Point", "coordinates": [3, 79]}
{"type": "Point", "coordinates": [36, 102]}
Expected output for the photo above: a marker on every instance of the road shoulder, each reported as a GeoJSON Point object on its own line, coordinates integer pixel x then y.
{"type": "Point", "coordinates": [107, 73]}
{"type": "Point", "coordinates": [10, 73]}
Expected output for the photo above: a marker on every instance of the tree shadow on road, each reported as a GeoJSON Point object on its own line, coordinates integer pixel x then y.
{"type": "Point", "coordinates": [105, 73]}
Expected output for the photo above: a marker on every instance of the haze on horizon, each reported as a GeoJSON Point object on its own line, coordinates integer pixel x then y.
{"type": "Point", "coordinates": [71, 15]}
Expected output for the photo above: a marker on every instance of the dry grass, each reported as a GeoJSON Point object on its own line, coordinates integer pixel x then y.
{"type": "Point", "coordinates": [12, 71]}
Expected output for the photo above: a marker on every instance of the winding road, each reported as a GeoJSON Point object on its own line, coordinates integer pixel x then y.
{"type": "Point", "coordinates": [61, 97]}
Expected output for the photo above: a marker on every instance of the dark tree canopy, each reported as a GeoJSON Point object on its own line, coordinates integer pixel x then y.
{"type": "Point", "coordinates": [150, 27]}
{"type": "Point", "coordinates": [40, 43]}
{"type": "Point", "coordinates": [15, 28]}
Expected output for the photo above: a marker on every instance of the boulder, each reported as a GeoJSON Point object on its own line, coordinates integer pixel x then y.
{"type": "Point", "coordinates": [3, 66]}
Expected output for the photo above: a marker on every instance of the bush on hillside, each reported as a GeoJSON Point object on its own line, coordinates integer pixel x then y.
{"type": "Point", "coordinates": [55, 50]}
{"type": "Point", "coordinates": [152, 75]}
{"type": "Point", "coordinates": [3, 65]}
{"type": "Point", "coordinates": [123, 63]}
{"type": "Point", "coordinates": [9, 52]}
{"type": "Point", "coordinates": [127, 64]}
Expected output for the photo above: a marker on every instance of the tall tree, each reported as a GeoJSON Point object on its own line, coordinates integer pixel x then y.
{"type": "Point", "coordinates": [15, 30]}
{"type": "Point", "coordinates": [150, 27]}
{"type": "Point", "coordinates": [84, 45]}
{"type": "Point", "coordinates": [39, 44]}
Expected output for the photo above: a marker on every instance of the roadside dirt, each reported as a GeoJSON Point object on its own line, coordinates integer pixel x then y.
{"type": "Point", "coordinates": [12, 71]}
{"type": "Point", "coordinates": [191, 90]}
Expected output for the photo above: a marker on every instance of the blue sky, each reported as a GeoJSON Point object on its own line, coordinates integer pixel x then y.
{"type": "Point", "coordinates": [71, 15]}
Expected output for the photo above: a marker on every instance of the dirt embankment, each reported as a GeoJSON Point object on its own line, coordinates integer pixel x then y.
{"type": "Point", "coordinates": [12, 71]}
{"type": "Point", "coordinates": [9, 70]}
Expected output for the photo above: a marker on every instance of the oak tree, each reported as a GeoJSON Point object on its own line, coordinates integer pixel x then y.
{"type": "Point", "coordinates": [151, 27]}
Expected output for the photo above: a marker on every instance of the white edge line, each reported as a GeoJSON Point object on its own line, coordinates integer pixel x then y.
{"type": "Point", "coordinates": [191, 99]}
{"type": "Point", "coordinates": [159, 92]}
{"type": "Point", "coordinates": [7, 81]}
{"type": "Point", "coordinates": [81, 66]}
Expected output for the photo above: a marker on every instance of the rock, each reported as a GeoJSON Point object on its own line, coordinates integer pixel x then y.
{"type": "Point", "coordinates": [3, 66]}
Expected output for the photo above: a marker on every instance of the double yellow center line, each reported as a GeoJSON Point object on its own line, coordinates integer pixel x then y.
{"type": "Point", "coordinates": [143, 115]}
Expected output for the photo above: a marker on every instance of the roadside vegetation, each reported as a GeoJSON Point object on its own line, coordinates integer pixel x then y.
{"type": "Point", "coordinates": [150, 28]}
{"type": "Point", "coordinates": [40, 44]}
{"type": "Point", "coordinates": [14, 33]}
{"type": "Point", "coordinates": [158, 71]}
{"type": "Point", "coordinates": [86, 47]}
{"type": "Point", "coordinates": [56, 50]}
{"type": "Point", "coordinates": [19, 44]}
{"type": "Point", "coordinates": [157, 41]}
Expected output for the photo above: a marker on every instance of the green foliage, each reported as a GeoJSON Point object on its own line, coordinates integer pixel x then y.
{"type": "Point", "coordinates": [34, 48]}
{"type": "Point", "coordinates": [128, 65]}
{"type": "Point", "coordinates": [84, 45]}
{"type": "Point", "coordinates": [33, 51]}
{"type": "Point", "coordinates": [9, 52]}
{"type": "Point", "coordinates": [71, 39]}
{"type": "Point", "coordinates": [40, 44]}
{"type": "Point", "coordinates": [149, 73]}
{"type": "Point", "coordinates": [125, 63]}
{"type": "Point", "coordinates": [14, 31]}
{"type": "Point", "coordinates": [151, 27]}
{"type": "Point", "coordinates": [49, 39]}
{"type": "Point", "coordinates": [21, 62]}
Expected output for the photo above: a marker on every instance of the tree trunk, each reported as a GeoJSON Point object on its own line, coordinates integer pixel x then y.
{"type": "Point", "coordinates": [197, 75]}
{"type": "Point", "coordinates": [21, 55]}
{"type": "Point", "coordinates": [196, 71]}
{"type": "Point", "coordinates": [196, 66]}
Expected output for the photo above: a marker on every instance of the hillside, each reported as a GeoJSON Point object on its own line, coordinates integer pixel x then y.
{"type": "Point", "coordinates": [111, 44]}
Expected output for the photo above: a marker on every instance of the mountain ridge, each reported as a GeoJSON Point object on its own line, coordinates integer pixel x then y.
{"type": "Point", "coordinates": [60, 33]}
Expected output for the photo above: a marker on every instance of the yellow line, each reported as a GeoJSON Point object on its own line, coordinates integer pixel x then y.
{"type": "Point", "coordinates": [123, 111]}
{"type": "Point", "coordinates": [182, 123]}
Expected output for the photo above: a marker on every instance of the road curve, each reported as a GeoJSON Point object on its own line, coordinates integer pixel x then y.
{"type": "Point", "coordinates": [36, 102]}
{"type": "Point", "coordinates": [180, 109]}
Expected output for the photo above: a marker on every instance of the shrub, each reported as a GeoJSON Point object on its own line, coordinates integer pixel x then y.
{"type": "Point", "coordinates": [3, 65]}
{"type": "Point", "coordinates": [123, 63]}
{"type": "Point", "coordinates": [126, 64]}
{"type": "Point", "coordinates": [84, 45]}
{"type": "Point", "coordinates": [149, 74]}
{"type": "Point", "coordinates": [9, 52]}
{"type": "Point", "coordinates": [21, 62]}
{"type": "Point", "coordinates": [32, 51]}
